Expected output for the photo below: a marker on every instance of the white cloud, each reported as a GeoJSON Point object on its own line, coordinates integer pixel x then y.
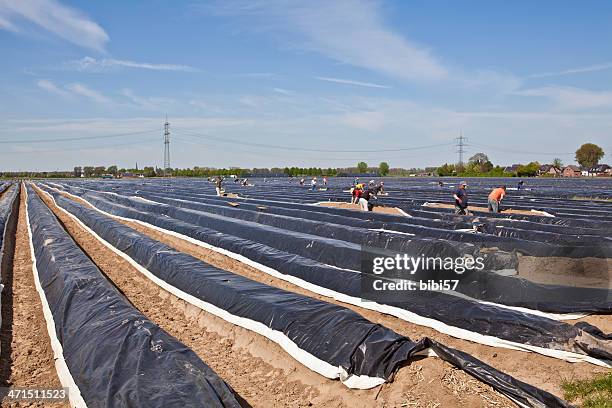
{"type": "Point", "coordinates": [351, 82]}
{"type": "Point", "coordinates": [569, 98]}
{"type": "Point", "coordinates": [282, 91]}
{"type": "Point", "coordinates": [148, 103]}
{"type": "Point", "coordinates": [499, 82]}
{"type": "Point", "coordinates": [49, 86]}
{"type": "Point", "coordinates": [579, 70]}
{"type": "Point", "coordinates": [5, 24]}
{"type": "Point", "coordinates": [63, 21]}
{"type": "Point", "coordinates": [348, 31]}
{"type": "Point", "coordinates": [89, 64]}
{"type": "Point", "coordinates": [82, 90]}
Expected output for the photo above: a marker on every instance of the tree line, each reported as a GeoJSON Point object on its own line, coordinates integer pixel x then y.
{"type": "Point", "coordinates": [479, 165]}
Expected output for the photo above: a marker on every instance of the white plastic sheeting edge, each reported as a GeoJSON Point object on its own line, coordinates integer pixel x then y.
{"type": "Point", "coordinates": [313, 363]}
{"type": "Point", "coordinates": [63, 373]}
{"type": "Point", "coordinates": [383, 308]}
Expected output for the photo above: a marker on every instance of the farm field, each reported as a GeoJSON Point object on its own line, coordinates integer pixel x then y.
{"type": "Point", "coordinates": [170, 295]}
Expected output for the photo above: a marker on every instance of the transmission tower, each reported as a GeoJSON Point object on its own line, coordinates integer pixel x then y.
{"type": "Point", "coordinates": [461, 148]}
{"type": "Point", "coordinates": [166, 147]}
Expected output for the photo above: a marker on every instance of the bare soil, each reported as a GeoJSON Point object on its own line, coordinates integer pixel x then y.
{"type": "Point", "coordinates": [27, 361]}
{"type": "Point", "coordinates": [485, 209]}
{"type": "Point", "coordinates": [258, 369]}
{"type": "Point", "coordinates": [583, 272]}
{"type": "Point", "coordinates": [356, 207]}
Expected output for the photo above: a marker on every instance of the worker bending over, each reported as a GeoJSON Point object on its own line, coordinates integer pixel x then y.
{"type": "Point", "coordinates": [495, 198]}
{"type": "Point", "coordinates": [367, 196]}
{"type": "Point", "coordinates": [461, 199]}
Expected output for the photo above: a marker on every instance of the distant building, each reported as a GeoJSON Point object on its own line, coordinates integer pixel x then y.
{"type": "Point", "coordinates": [511, 169]}
{"type": "Point", "coordinates": [550, 170]}
{"type": "Point", "coordinates": [572, 171]}
{"type": "Point", "coordinates": [601, 170]}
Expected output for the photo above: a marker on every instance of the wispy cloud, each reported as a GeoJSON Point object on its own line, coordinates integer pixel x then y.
{"type": "Point", "coordinates": [351, 82]}
{"type": "Point", "coordinates": [83, 90]}
{"type": "Point", "coordinates": [158, 104]}
{"type": "Point", "coordinates": [570, 98]}
{"type": "Point", "coordinates": [348, 31]}
{"type": "Point", "coordinates": [72, 90]}
{"type": "Point", "coordinates": [5, 24]}
{"type": "Point", "coordinates": [65, 22]}
{"type": "Point", "coordinates": [89, 64]}
{"type": "Point", "coordinates": [590, 68]}
{"type": "Point", "coordinates": [282, 91]}
{"type": "Point", "coordinates": [49, 86]}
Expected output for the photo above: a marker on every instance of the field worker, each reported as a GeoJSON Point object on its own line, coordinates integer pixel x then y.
{"type": "Point", "coordinates": [218, 184]}
{"type": "Point", "coordinates": [382, 187]}
{"type": "Point", "coordinates": [520, 185]}
{"type": "Point", "coordinates": [461, 199]}
{"type": "Point", "coordinates": [324, 181]}
{"type": "Point", "coordinates": [313, 184]}
{"type": "Point", "coordinates": [245, 182]}
{"type": "Point", "coordinates": [357, 192]}
{"type": "Point", "coordinates": [302, 181]}
{"type": "Point", "coordinates": [366, 197]}
{"type": "Point", "coordinates": [495, 198]}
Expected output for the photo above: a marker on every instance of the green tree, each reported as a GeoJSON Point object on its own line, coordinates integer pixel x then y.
{"type": "Point", "coordinates": [446, 170]}
{"type": "Point", "coordinates": [99, 171]}
{"type": "Point", "coordinates": [557, 162]}
{"type": "Point", "coordinates": [112, 170]}
{"type": "Point", "coordinates": [362, 167]}
{"type": "Point", "coordinates": [528, 170]}
{"type": "Point", "coordinates": [383, 168]}
{"type": "Point", "coordinates": [77, 171]}
{"type": "Point", "coordinates": [88, 171]}
{"type": "Point", "coordinates": [589, 154]}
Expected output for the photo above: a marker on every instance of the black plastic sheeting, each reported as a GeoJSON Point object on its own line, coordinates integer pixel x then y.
{"type": "Point", "coordinates": [529, 235]}
{"type": "Point", "coordinates": [116, 355]}
{"type": "Point", "coordinates": [481, 285]}
{"type": "Point", "coordinates": [9, 208]}
{"type": "Point", "coordinates": [533, 243]}
{"type": "Point", "coordinates": [491, 287]}
{"type": "Point", "coordinates": [455, 311]}
{"type": "Point", "coordinates": [363, 348]}
{"type": "Point", "coordinates": [326, 249]}
{"type": "Point", "coordinates": [8, 211]}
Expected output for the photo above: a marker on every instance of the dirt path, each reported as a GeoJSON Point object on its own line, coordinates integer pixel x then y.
{"type": "Point", "coordinates": [486, 210]}
{"type": "Point", "coordinates": [356, 207]}
{"type": "Point", "coordinates": [31, 362]}
{"type": "Point", "coordinates": [259, 370]}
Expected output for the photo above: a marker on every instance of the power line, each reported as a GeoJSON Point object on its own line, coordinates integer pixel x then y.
{"type": "Point", "coordinates": [80, 149]}
{"type": "Point", "coordinates": [188, 132]}
{"type": "Point", "coordinates": [75, 138]}
{"type": "Point", "coordinates": [285, 156]}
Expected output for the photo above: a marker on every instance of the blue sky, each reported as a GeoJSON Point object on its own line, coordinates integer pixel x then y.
{"type": "Point", "coordinates": [316, 83]}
